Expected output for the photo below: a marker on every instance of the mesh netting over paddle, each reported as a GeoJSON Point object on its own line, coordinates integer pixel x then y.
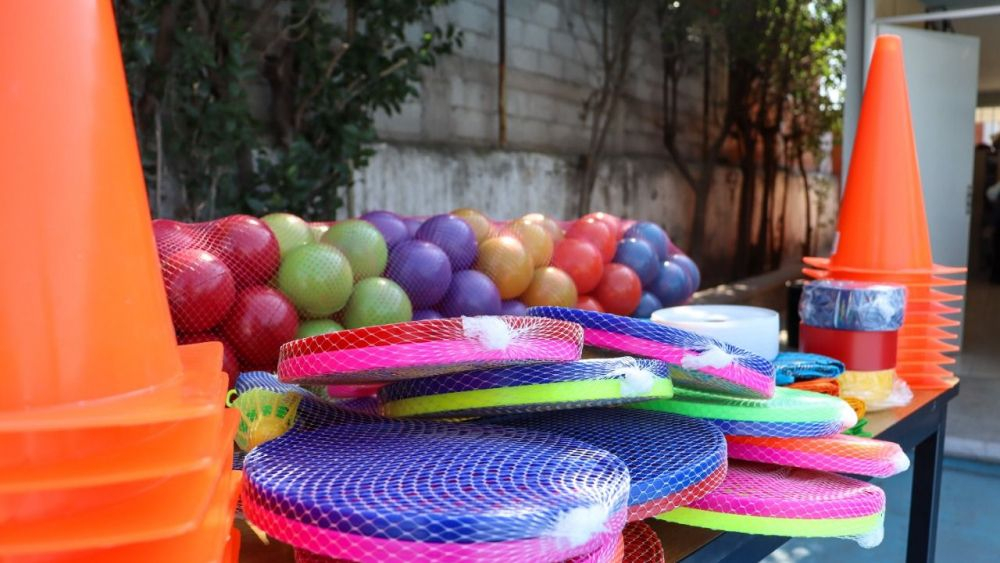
{"type": "Point", "coordinates": [537, 387]}
{"type": "Point", "coordinates": [757, 498]}
{"type": "Point", "coordinates": [790, 413]}
{"type": "Point", "coordinates": [642, 545]}
{"type": "Point", "coordinates": [365, 405]}
{"type": "Point", "coordinates": [702, 362]}
{"type": "Point", "coordinates": [839, 453]}
{"type": "Point", "coordinates": [365, 488]}
{"type": "Point", "coordinates": [263, 380]}
{"type": "Point", "coordinates": [614, 551]}
{"type": "Point", "coordinates": [673, 460]}
{"type": "Point", "coordinates": [425, 348]}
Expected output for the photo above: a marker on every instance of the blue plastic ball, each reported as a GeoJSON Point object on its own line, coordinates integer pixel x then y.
{"type": "Point", "coordinates": [648, 304]}
{"type": "Point", "coordinates": [471, 293]}
{"type": "Point", "coordinates": [453, 236]}
{"type": "Point", "coordinates": [694, 275]}
{"type": "Point", "coordinates": [513, 307]}
{"type": "Point", "coordinates": [671, 284]}
{"type": "Point", "coordinates": [640, 256]}
{"type": "Point", "coordinates": [653, 234]}
{"type": "Point", "coordinates": [425, 314]}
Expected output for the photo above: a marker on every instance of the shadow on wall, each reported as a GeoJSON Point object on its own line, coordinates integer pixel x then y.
{"type": "Point", "coordinates": [422, 180]}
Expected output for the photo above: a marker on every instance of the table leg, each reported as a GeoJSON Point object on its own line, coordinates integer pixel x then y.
{"type": "Point", "coordinates": [927, 457]}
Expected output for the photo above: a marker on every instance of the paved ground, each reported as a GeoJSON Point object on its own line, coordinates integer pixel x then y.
{"type": "Point", "coordinates": [973, 417]}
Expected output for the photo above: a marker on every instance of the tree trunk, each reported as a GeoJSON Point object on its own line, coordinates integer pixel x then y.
{"type": "Point", "coordinates": [807, 243]}
{"type": "Point", "coordinates": [700, 219]}
{"type": "Point", "coordinates": [761, 254]}
{"type": "Point", "coordinates": [781, 236]}
{"type": "Point", "coordinates": [748, 193]}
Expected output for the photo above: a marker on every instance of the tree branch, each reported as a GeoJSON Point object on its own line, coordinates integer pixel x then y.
{"type": "Point", "coordinates": [338, 53]}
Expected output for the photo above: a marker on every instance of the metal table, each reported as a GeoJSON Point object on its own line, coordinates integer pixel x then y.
{"type": "Point", "coordinates": [918, 426]}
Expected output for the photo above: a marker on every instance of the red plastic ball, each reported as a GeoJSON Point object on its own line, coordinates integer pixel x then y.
{"type": "Point", "coordinates": [200, 289]}
{"type": "Point", "coordinates": [581, 260]}
{"type": "Point", "coordinates": [230, 363]}
{"type": "Point", "coordinates": [620, 290]}
{"type": "Point", "coordinates": [588, 303]}
{"type": "Point", "coordinates": [595, 232]}
{"type": "Point", "coordinates": [610, 221]}
{"type": "Point", "coordinates": [261, 321]}
{"type": "Point", "coordinates": [172, 236]}
{"type": "Point", "coordinates": [247, 245]}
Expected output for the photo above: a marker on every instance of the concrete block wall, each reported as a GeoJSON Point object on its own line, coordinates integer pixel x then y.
{"type": "Point", "coordinates": [440, 152]}
{"type": "Point", "coordinates": [553, 65]}
{"type": "Point", "coordinates": [417, 179]}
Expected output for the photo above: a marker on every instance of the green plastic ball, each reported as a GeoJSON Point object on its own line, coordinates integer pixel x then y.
{"type": "Point", "coordinates": [316, 327]}
{"type": "Point", "coordinates": [317, 278]}
{"type": "Point", "coordinates": [291, 231]}
{"type": "Point", "coordinates": [377, 301]}
{"type": "Point", "coordinates": [363, 245]}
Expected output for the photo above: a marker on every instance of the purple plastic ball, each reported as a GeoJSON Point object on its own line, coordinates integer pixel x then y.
{"type": "Point", "coordinates": [412, 224]}
{"type": "Point", "coordinates": [653, 234]}
{"type": "Point", "coordinates": [471, 293]}
{"type": "Point", "coordinates": [670, 285]}
{"type": "Point", "coordinates": [389, 224]}
{"type": "Point", "coordinates": [454, 236]}
{"type": "Point", "coordinates": [648, 304]}
{"type": "Point", "coordinates": [422, 270]}
{"type": "Point", "coordinates": [426, 314]}
{"type": "Point", "coordinates": [694, 275]}
{"type": "Point", "coordinates": [639, 255]}
{"type": "Point", "coordinates": [513, 307]}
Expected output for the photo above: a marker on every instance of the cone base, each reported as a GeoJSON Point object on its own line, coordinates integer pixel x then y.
{"type": "Point", "coordinates": [930, 321]}
{"type": "Point", "coordinates": [194, 395]}
{"type": "Point", "coordinates": [929, 382]}
{"type": "Point", "coordinates": [138, 512]}
{"type": "Point", "coordinates": [930, 308]}
{"type": "Point", "coordinates": [932, 296]}
{"type": "Point", "coordinates": [924, 369]}
{"type": "Point", "coordinates": [944, 362]}
{"type": "Point", "coordinates": [232, 552]}
{"type": "Point", "coordinates": [206, 542]}
{"type": "Point", "coordinates": [924, 283]}
{"type": "Point", "coordinates": [935, 269]}
{"type": "Point", "coordinates": [925, 345]}
{"type": "Point", "coordinates": [914, 334]}
{"type": "Point", "coordinates": [130, 453]}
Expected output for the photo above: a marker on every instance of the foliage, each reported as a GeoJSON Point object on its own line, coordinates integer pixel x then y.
{"type": "Point", "coordinates": [270, 105]}
{"type": "Point", "coordinates": [614, 40]}
{"type": "Point", "coordinates": [783, 60]}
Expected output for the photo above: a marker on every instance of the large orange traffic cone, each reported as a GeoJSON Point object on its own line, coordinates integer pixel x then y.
{"type": "Point", "coordinates": [85, 315]}
{"type": "Point", "coordinates": [113, 438]}
{"type": "Point", "coordinates": [882, 233]}
{"type": "Point", "coordinates": [883, 224]}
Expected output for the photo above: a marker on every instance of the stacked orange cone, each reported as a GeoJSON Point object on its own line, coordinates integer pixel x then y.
{"type": "Point", "coordinates": [116, 445]}
{"type": "Point", "coordinates": [882, 233]}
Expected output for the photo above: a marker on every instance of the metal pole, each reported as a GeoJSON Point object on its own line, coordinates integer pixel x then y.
{"type": "Point", "coordinates": [943, 15]}
{"type": "Point", "coordinates": [502, 74]}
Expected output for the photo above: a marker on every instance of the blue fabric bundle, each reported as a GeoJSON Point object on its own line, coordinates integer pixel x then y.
{"type": "Point", "coordinates": [790, 367]}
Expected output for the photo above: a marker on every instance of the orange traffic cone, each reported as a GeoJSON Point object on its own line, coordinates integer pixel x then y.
{"type": "Point", "coordinates": [883, 224]}
{"type": "Point", "coordinates": [882, 233]}
{"type": "Point", "coordinates": [113, 437]}
{"type": "Point", "coordinates": [85, 312]}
